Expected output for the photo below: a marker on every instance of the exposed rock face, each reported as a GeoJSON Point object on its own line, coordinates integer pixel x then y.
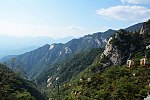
{"type": "Point", "coordinates": [123, 45]}
{"type": "Point", "coordinates": [112, 52]}
{"type": "Point", "coordinates": [145, 27]}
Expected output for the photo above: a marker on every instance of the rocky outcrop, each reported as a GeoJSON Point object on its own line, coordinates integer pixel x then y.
{"type": "Point", "coordinates": [112, 52]}
{"type": "Point", "coordinates": [145, 28]}
{"type": "Point", "coordinates": [123, 45]}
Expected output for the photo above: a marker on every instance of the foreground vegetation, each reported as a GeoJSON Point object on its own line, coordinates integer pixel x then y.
{"type": "Point", "coordinates": [14, 87]}
{"type": "Point", "coordinates": [115, 83]}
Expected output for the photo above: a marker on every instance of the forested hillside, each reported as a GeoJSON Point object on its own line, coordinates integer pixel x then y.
{"type": "Point", "coordinates": [69, 68]}
{"type": "Point", "coordinates": [110, 77]}
{"type": "Point", "coordinates": [13, 87]}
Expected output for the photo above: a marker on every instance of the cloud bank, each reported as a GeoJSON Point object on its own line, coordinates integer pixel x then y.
{"type": "Point", "coordinates": [126, 13]}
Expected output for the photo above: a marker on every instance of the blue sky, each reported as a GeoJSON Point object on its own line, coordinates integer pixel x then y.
{"type": "Point", "coordinates": [62, 18]}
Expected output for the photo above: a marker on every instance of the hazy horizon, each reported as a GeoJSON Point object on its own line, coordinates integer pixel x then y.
{"type": "Point", "coordinates": [57, 19]}
{"type": "Point", "coordinates": [35, 23]}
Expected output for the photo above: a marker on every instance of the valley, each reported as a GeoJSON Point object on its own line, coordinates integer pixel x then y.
{"type": "Point", "coordinates": [75, 50]}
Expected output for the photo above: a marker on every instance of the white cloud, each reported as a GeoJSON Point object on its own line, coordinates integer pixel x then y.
{"type": "Point", "coordinates": [76, 28]}
{"type": "Point", "coordinates": [126, 13]}
{"type": "Point", "coordinates": [135, 1]}
{"type": "Point", "coordinates": [76, 31]}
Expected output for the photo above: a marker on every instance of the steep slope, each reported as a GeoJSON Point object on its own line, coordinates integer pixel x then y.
{"type": "Point", "coordinates": [69, 68]}
{"type": "Point", "coordinates": [136, 27]}
{"type": "Point", "coordinates": [123, 45]}
{"type": "Point", "coordinates": [41, 58]}
{"type": "Point", "coordinates": [108, 77]}
{"type": "Point", "coordinates": [13, 87]}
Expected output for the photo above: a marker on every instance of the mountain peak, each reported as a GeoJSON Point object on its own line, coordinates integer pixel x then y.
{"type": "Point", "coordinates": [110, 30]}
{"type": "Point", "coordinates": [46, 45]}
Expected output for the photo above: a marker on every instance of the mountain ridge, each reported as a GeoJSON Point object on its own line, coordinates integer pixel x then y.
{"type": "Point", "coordinates": [49, 54]}
{"type": "Point", "coordinates": [110, 76]}
{"type": "Point", "coordinates": [37, 60]}
{"type": "Point", "coordinates": [13, 47]}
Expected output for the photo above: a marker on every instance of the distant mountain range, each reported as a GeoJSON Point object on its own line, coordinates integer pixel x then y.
{"type": "Point", "coordinates": [37, 61]}
{"type": "Point", "coordinates": [11, 45]}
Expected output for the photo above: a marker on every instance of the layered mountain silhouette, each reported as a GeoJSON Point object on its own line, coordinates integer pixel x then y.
{"type": "Point", "coordinates": [38, 60]}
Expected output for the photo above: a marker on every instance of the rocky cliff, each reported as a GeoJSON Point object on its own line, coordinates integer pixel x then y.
{"type": "Point", "coordinates": [121, 46]}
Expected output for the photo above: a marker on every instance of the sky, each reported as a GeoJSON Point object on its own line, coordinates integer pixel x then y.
{"type": "Point", "coordinates": [63, 18]}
